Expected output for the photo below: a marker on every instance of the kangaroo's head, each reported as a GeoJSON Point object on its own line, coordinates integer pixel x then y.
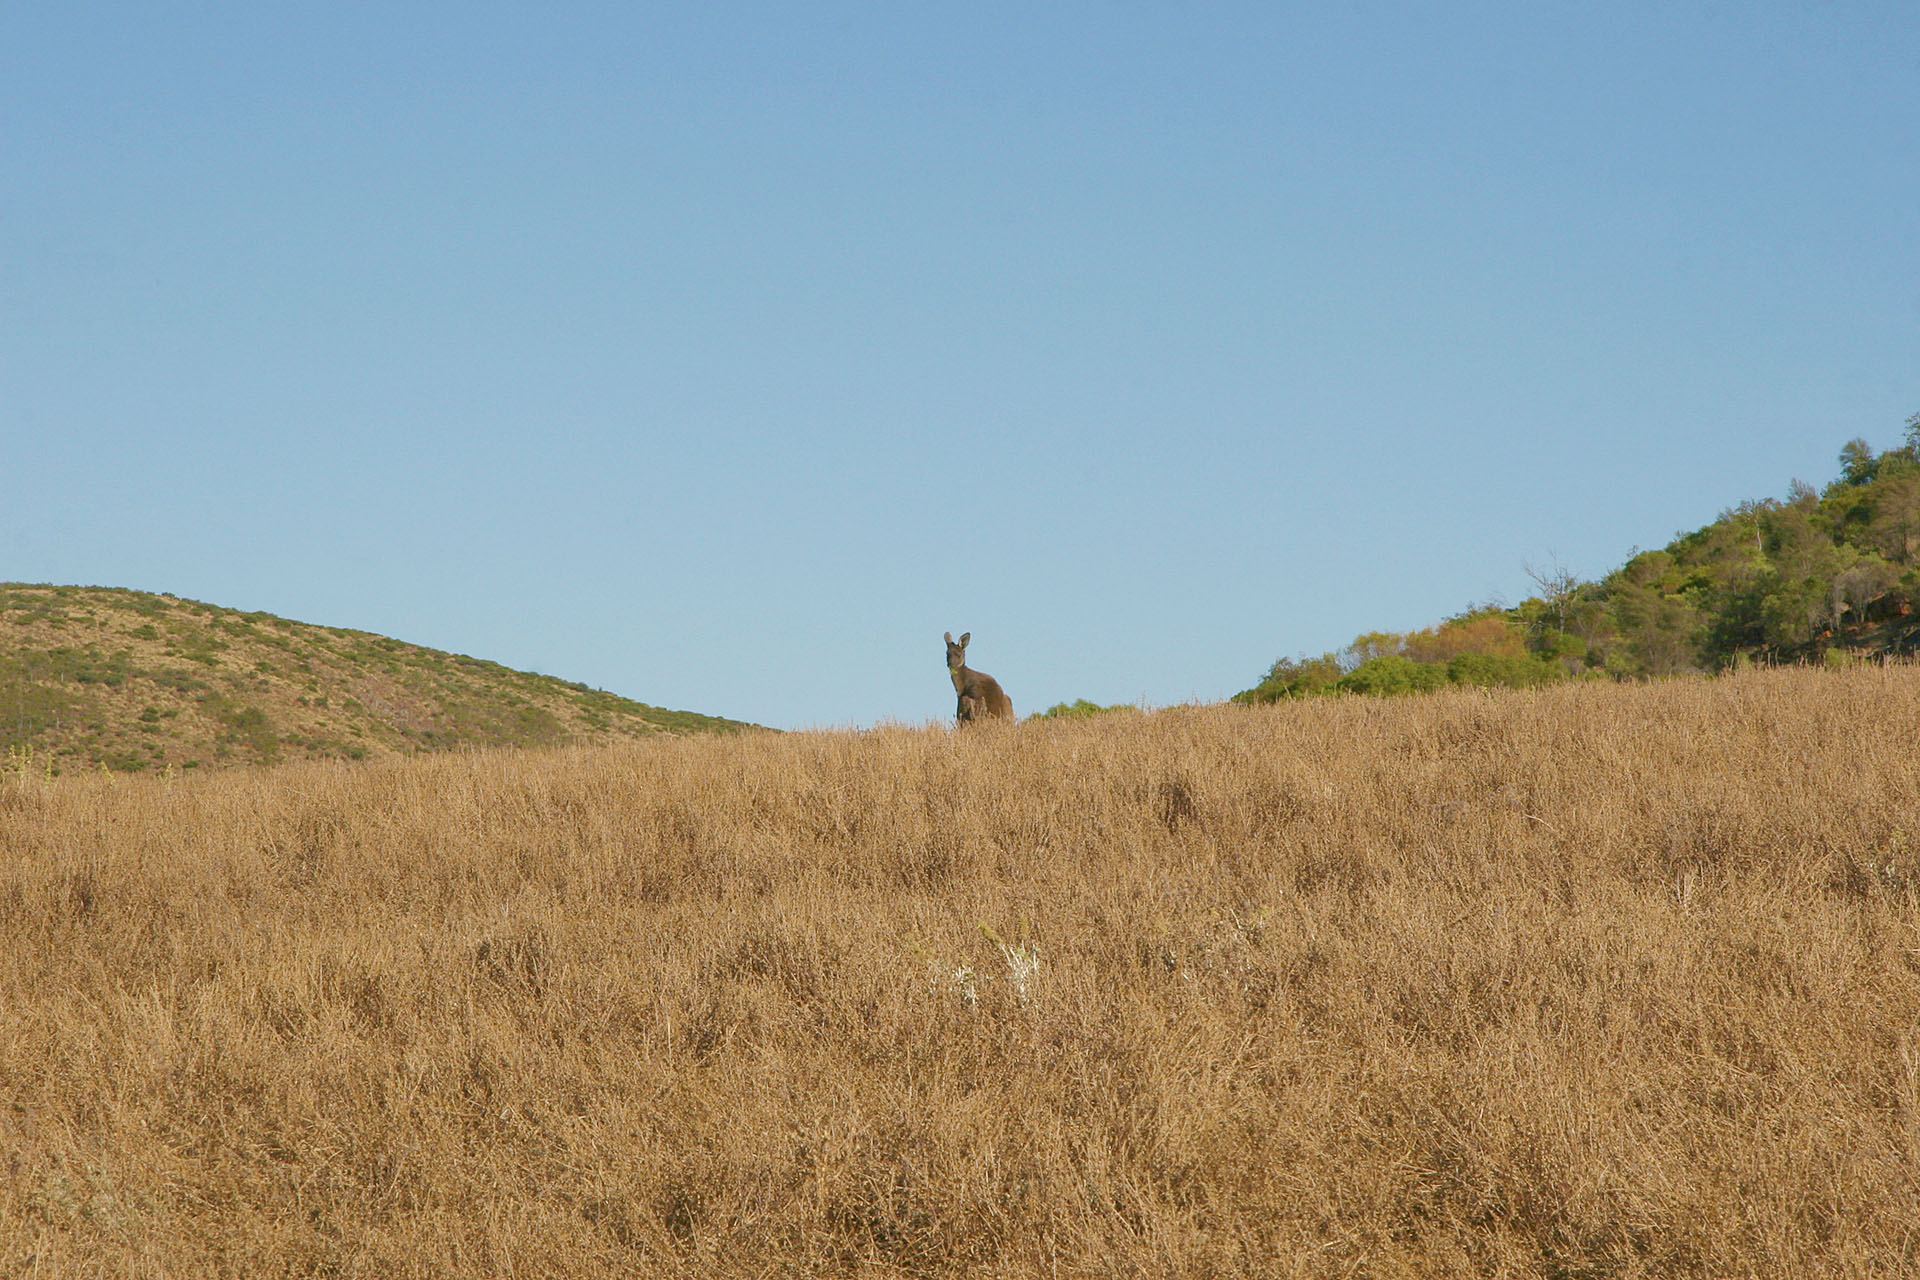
{"type": "Point", "coordinates": [957, 653]}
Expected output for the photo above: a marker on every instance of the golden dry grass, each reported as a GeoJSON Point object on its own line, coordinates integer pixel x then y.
{"type": "Point", "coordinates": [1600, 981]}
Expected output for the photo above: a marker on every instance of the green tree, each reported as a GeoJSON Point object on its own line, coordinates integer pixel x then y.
{"type": "Point", "coordinates": [1495, 671]}
{"type": "Point", "coordinates": [1657, 633]}
{"type": "Point", "coordinates": [1295, 678]}
{"type": "Point", "coordinates": [1894, 506]}
{"type": "Point", "coordinates": [1395, 675]}
{"type": "Point", "coordinates": [1856, 462]}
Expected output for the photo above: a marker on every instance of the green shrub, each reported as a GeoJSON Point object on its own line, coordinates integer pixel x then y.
{"type": "Point", "coordinates": [1081, 708]}
{"type": "Point", "coordinates": [1294, 678]}
{"type": "Point", "coordinates": [1394, 675]}
{"type": "Point", "coordinates": [1488, 671]}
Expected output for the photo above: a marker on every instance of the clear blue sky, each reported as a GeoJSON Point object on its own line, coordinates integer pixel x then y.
{"type": "Point", "coordinates": [724, 356]}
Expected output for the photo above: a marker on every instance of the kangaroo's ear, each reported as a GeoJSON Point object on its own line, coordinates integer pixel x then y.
{"type": "Point", "coordinates": [964, 637]}
{"type": "Point", "coordinates": [949, 637]}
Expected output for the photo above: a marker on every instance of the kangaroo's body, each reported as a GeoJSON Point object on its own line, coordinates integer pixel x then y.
{"type": "Point", "coordinates": [981, 697]}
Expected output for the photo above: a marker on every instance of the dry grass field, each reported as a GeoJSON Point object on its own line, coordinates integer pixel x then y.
{"type": "Point", "coordinates": [1598, 981]}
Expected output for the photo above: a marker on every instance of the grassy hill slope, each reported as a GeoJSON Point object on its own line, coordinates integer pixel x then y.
{"type": "Point", "coordinates": [1604, 980]}
{"type": "Point", "coordinates": [98, 676]}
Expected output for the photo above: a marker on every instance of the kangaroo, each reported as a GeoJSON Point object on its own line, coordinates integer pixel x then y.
{"type": "Point", "coordinates": [981, 697]}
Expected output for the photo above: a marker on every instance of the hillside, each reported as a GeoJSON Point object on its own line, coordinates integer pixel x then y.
{"type": "Point", "coordinates": [1827, 576]}
{"type": "Point", "coordinates": [1605, 980]}
{"type": "Point", "coordinates": [98, 676]}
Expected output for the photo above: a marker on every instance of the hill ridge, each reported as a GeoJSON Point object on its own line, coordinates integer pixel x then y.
{"type": "Point", "coordinates": [110, 677]}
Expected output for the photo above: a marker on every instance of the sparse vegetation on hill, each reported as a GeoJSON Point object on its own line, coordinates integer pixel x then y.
{"type": "Point", "coordinates": [1080, 708]}
{"type": "Point", "coordinates": [1604, 979]}
{"type": "Point", "coordinates": [93, 676]}
{"type": "Point", "coordinates": [1823, 576]}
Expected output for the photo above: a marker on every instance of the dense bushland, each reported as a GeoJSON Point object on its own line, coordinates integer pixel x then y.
{"type": "Point", "coordinates": [1821, 576]}
{"type": "Point", "coordinates": [1598, 980]}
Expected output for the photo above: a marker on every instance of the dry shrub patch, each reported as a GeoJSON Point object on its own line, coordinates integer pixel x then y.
{"type": "Point", "coordinates": [1593, 981]}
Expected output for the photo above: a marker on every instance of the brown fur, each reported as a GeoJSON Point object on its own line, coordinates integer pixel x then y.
{"type": "Point", "coordinates": [981, 697]}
